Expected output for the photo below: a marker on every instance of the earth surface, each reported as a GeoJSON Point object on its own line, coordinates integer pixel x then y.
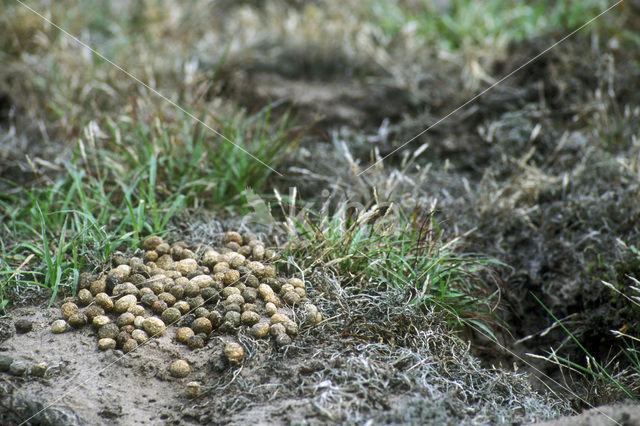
{"type": "Point", "coordinates": [540, 173]}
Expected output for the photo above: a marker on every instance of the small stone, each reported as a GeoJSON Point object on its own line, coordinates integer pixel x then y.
{"type": "Point", "coordinates": [291, 298]}
{"type": "Point", "coordinates": [247, 237]}
{"type": "Point", "coordinates": [279, 318]}
{"type": "Point", "coordinates": [291, 328]}
{"type": "Point", "coordinates": [93, 311]}
{"type": "Point", "coordinates": [270, 309]}
{"type": "Point", "coordinates": [233, 317]}
{"type": "Point", "coordinates": [277, 329]}
{"type": "Point", "coordinates": [112, 280]}
{"type": "Point", "coordinates": [23, 326]}
{"type": "Point", "coordinates": [165, 262]}
{"type": "Point", "coordinates": [202, 325]}
{"type": "Point", "coordinates": [286, 288]}
{"type": "Point", "coordinates": [250, 307]}
{"type": "Point", "coordinates": [221, 268]}
{"type": "Point", "coordinates": [137, 310]}
{"type": "Point", "coordinates": [138, 322]}
{"type": "Point", "coordinates": [163, 249]}
{"type": "Point", "coordinates": [125, 319]}
{"type": "Point", "coordinates": [202, 281]}
{"type": "Point", "coordinates": [137, 279]}
{"type": "Point", "coordinates": [182, 306]}
{"type": "Point", "coordinates": [265, 291]}
{"type": "Point", "coordinates": [124, 289]}
{"type": "Point", "coordinates": [107, 343]}
{"type": "Point", "coordinates": [139, 336]}
{"type": "Point", "coordinates": [231, 276]}
{"type": "Point", "coordinates": [235, 299]}
{"type": "Point", "coordinates": [129, 345]}
{"type": "Point", "coordinates": [122, 272]}
{"type": "Point", "coordinates": [179, 368]}
{"type": "Point", "coordinates": [39, 369]}
{"type": "Point", "coordinates": [233, 236]}
{"type": "Point", "coordinates": [144, 291]}
{"type": "Point", "coordinates": [195, 342]}
{"type": "Point", "coordinates": [210, 257]}
{"type": "Point", "coordinates": [233, 352]}
{"type": "Point", "coordinates": [78, 320]}
{"type": "Point", "coordinates": [18, 368]}
{"type": "Point", "coordinates": [158, 283]}
{"type": "Point", "coordinates": [187, 254]}
{"type": "Point", "coordinates": [150, 256]}
{"type": "Point", "coordinates": [100, 321]}
{"type": "Point", "coordinates": [249, 318]}
{"type": "Point", "coordinates": [128, 328]}
{"type": "Point", "coordinates": [59, 326]}
{"type": "Point", "coordinates": [296, 282]}
{"type": "Point", "coordinates": [158, 307]}
{"type": "Point", "coordinates": [228, 328]}
{"type": "Point", "coordinates": [121, 338]}
{"type": "Point", "coordinates": [148, 299]}
{"type": "Point", "coordinates": [171, 315]}
{"type": "Point", "coordinates": [177, 291]}
{"type": "Point", "coordinates": [269, 271]}
{"type": "Point", "coordinates": [260, 330]}
{"type": "Point", "coordinates": [151, 243]}
{"type": "Point", "coordinates": [125, 302]}
{"type": "Point", "coordinates": [272, 298]}
{"type": "Point", "coordinates": [236, 260]}
{"type": "Point", "coordinates": [191, 289]}
{"type": "Point", "coordinates": [216, 318]}
{"type": "Point", "coordinates": [104, 301]}
{"type": "Point", "coordinates": [98, 286]}
{"type": "Point", "coordinates": [252, 281]}
{"type": "Point", "coordinates": [108, 331]}
{"type": "Point", "coordinates": [276, 284]}
{"type": "Point", "coordinates": [195, 302]}
{"type": "Point", "coordinates": [5, 362]}
{"type": "Point", "coordinates": [257, 252]}
{"type": "Point", "coordinates": [186, 265]}
{"type": "Point", "coordinates": [270, 254]}
{"type": "Point", "coordinates": [167, 298]}
{"type": "Point", "coordinates": [249, 295]}
{"type": "Point", "coordinates": [256, 268]}
{"type": "Point", "coordinates": [230, 291]}
{"type": "Point", "coordinates": [84, 297]}
{"type": "Point", "coordinates": [233, 246]}
{"type": "Point", "coordinates": [283, 339]}
{"type": "Point", "coordinates": [183, 334]}
{"type": "Point", "coordinates": [84, 280]}
{"type": "Point", "coordinates": [187, 320]}
{"type": "Point", "coordinates": [192, 390]}
{"type": "Point", "coordinates": [139, 272]}
{"type": "Point", "coordinates": [154, 327]}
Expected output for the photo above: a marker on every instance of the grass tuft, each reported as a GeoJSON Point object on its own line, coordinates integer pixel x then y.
{"type": "Point", "coordinates": [383, 247]}
{"type": "Point", "coordinates": [129, 184]}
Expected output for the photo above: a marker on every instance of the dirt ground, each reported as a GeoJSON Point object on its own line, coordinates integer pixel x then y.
{"type": "Point", "coordinates": [315, 381]}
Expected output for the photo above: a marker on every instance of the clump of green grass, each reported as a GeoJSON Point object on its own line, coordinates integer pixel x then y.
{"type": "Point", "coordinates": [113, 193]}
{"type": "Point", "coordinates": [384, 247]}
{"type": "Point", "coordinates": [621, 373]}
{"type": "Point", "coordinates": [469, 23]}
{"type": "Point", "coordinates": [186, 159]}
